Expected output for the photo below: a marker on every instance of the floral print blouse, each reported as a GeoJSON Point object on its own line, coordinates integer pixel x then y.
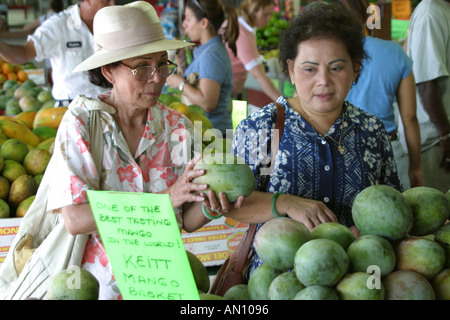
{"type": "Point", "coordinates": [310, 166]}
{"type": "Point", "coordinates": [159, 161]}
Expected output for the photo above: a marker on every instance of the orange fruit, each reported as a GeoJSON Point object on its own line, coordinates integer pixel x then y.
{"type": "Point", "coordinates": [22, 75]}
{"type": "Point", "coordinates": [2, 79]}
{"type": "Point", "coordinates": [7, 68]}
{"type": "Point", "coordinates": [11, 76]}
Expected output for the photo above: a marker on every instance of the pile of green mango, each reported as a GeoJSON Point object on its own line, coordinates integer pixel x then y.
{"type": "Point", "coordinates": [267, 38]}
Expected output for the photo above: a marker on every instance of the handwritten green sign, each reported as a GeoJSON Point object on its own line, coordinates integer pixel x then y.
{"type": "Point", "coordinates": [143, 244]}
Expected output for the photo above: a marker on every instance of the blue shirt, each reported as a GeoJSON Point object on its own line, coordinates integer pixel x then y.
{"type": "Point", "coordinates": [211, 61]}
{"type": "Point", "coordinates": [310, 166]}
{"type": "Point", "coordinates": [378, 81]}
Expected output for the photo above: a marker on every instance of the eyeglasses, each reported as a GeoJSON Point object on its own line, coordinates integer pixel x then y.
{"type": "Point", "coordinates": [147, 72]}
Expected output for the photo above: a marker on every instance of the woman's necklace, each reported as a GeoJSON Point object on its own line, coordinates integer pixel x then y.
{"type": "Point", "coordinates": [341, 149]}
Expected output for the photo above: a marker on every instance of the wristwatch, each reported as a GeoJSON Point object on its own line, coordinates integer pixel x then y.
{"type": "Point", "coordinates": [181, 86]}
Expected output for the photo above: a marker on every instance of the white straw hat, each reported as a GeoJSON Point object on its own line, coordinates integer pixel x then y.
{"type": "Point", "coordinates": [122, 32]}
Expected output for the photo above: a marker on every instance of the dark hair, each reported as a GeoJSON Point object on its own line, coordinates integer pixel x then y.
{"type": "Point", "coordinates": [358, 8]}
{"type": "Point", "coordinates": [96, 76]}
{"type": "Point", "coordinates": [322, 20]}
{"type": "Point", "coordinates": [57, 5]}
{"type": "Point", "coordinates": [216, 13]}
{"type": "Point", "coordinates": [248, 7]}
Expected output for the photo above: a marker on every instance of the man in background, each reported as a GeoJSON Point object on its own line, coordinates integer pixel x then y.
{"type": "Point", "coordinates": [65, 39]}
{"type": "Point", "coordinates": [429, 47]}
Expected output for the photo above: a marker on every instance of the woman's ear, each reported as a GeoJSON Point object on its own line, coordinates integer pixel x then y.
{"type": "Point", "coordinates": [356, 70]}
{"type": "Point", "coordinates": [107, 73]}
{"type": "Point", "coordinates": [205, 23]}
{"type": "Point", "coordinates": [290, 66]}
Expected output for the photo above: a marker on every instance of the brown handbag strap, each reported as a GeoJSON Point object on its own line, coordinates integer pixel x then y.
{"type": "Point", "coordinates": [249, 235]}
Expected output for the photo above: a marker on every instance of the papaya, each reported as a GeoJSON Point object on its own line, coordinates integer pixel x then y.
{"type": "Point", "coordinates": [44, 132]}
{"type": "Point", "coordinates": [14, 129]}
{"type": "Point", "coordinates": [27, 117]}
{"type": "Point", "coordinates": [13, 119]}
{"type": "Point", "coordinates": [49, 117]}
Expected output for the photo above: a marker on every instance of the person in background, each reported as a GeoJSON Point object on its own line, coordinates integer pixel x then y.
{"type": "Point", "coordinates": [252, 14]}
{"type": "Point", "coordinates": [210, 72]}
{"type": "Point", "coordinates": [54, 7]}
{"type": "Point", "coordinates": [388, 78]}
{"type": "Point", "coordinates": [428, 45]}
{"type": "Point", "coordinates": [66, 40]}
{"type": "Point", "coordinates": [330, 150]}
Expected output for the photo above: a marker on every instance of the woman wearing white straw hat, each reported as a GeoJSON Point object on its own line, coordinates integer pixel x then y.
{"type": "Point", "coordinates": [142, 138]}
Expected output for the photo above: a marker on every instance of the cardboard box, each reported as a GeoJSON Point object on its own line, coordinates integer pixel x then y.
{"type": "Point", "coordinates": [215, 241]}
{"type": "Point", "coordinates": [8, 230]}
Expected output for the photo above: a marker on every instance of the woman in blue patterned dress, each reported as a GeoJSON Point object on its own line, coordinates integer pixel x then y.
{"type": "Point", "coordinates": [330, 150]}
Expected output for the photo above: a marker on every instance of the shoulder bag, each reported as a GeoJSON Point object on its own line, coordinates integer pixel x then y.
{"type": "Point", "coordinates": [42, 246]}
{"type": "Point", "coordinates": [233, 270]}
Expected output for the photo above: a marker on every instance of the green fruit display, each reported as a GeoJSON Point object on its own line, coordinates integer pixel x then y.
{"type": "Point", "coordinates": [199, 271]}
{"type": "Point", "coordinates": [10, 84]}
{"type": "Point", "coordinates": [334, 231]}
{"type": "Point", "coordinates": [237, 292]}
{"type": "Point", "coordinates": [23, 91]}
{"type": "Point", "coordinates": [382, 210]}
{"type": "Point", "coordinates": [167, 99]}
{"type": "Point", "coordinates": [259, 282]}
{"type": "Point", "coordinates": [442, 236]}
{"type": "Point", "coordinates": [73, 284]}
{"type": "Point", "coordinates": [441, 285]}
{"type": "Point", "coordinates": [12, 170]}
{"type": "Point", "coordinates": [267, 38]}
{"type": "Point", "coordinates": [429, 207]}
{"type": "Point", "coordinates": [44, 96]}
{"type": "Point", "coordinates": [226, 173]}
{"type": "Point", "coordinates": [277, 241]}
{"type": "Point", "coordinates": [407, 285]}
{"type": "Point", "coordinates": [196, 108]}
{"type": "Point", "coordinates": [210, 296]}
{"type": "Point", "coordinates": [3, 100]}
{"type": "Point", "coordinates": [354, 286]}
{"type": "Point", "coordinates": [4, 209]}
{"type": "Point", "coordinates": [4, 188]}
{"type": "Point", "coordinates": [284, 287]}
{"type": "Point", "coordinates": [421, 255]}
{"type": "Point", "coordinates": [45, 132]}
{"type": "Point", "coordinates": [29, 103]}
{"type": "Point", "coordinates": [371, 250]}
{"type": "Point", "coordinates": [321, 262]}
{"type": "Point", "coordinates": [316, 293]}
{"type": "Point", "coordinates": [14, 149]}
{"type": "Point", "coordinates": [23, 187]}
{"type": "Point", "coordinates": [36, 161]}
{"type": "Point", "coordinates": [12, 107]}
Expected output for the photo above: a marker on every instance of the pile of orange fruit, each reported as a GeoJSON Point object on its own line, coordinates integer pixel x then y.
{"type": "Point", "coordinates": [10, 71]}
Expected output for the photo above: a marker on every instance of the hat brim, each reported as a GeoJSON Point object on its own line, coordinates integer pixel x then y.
{"type": "Point", "coordinates": [106, 57]}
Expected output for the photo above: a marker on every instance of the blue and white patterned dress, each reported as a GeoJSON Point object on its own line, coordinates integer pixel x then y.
{"type": "Point", "coordinates": [310, 166]}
